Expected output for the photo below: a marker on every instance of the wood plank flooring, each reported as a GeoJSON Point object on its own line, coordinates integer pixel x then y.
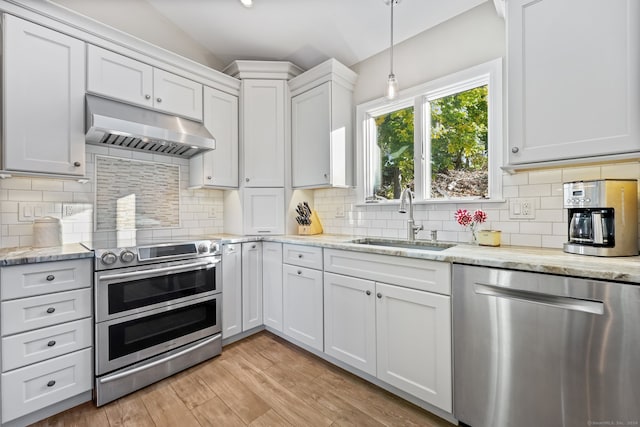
{"type": "Point", "coordinates": [260, 381]}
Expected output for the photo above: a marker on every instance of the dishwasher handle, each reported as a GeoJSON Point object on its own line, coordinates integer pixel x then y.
{"type": "Point", "coordinates": [567, 303]}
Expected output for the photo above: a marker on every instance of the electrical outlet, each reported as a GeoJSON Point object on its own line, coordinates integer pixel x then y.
{"type": "Point", "coordinates": [522, 209]}
{"type": "Point", "coordinates": [340, 211]}
{"type": "Point", "coordinates": [212, 213]}
{"type": "Point", "coordinates": [67, 210]}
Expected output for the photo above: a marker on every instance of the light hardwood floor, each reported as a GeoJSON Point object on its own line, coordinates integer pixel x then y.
{"type": "Point", "coordinates": [260, 381]}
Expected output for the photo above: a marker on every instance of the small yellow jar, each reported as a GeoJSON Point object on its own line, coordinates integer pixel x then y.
{"type": "Point", "coordinates": [489, 237]}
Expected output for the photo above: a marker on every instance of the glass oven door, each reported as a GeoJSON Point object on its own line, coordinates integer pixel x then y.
{"type": "Point", "coordinates": [133, 290]}
{"type": "Point", "coordinates": [127, 340]}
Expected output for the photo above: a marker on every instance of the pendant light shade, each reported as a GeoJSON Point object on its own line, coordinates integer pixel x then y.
{"type": "Point", "coordinates": [392, 82]}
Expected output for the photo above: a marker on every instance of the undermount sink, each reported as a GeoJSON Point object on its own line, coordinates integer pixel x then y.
{"type": "Point", "coordinates": [406, 244]}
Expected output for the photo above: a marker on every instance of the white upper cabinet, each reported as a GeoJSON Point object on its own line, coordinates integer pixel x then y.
{"type": "Point", "coordinates": [218, 168]}
{"type": "Point", "coordinates": [574, 79]}
{"type": "Point", "coordinates": [119, 77]}
{"type": "Point", "coordinates": [43, 100]}
{"type": "Point", "coordinates": [263, 125]}
{"type": "Point", "coordinates": [263, 211]}
{"type": "Point", "coordinates": [321, 126]}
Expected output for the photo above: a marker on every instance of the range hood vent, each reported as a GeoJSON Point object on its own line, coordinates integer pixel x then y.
{"type": "Point", "coordinates": [125, 126]}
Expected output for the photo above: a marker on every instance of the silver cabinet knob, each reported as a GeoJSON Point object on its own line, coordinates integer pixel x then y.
{"type": "Point", "coordinates": [147, 96]}
{"type": "Point", "coordinates": [326, 175]}
{"type": "Point", "coordinates": [209, 178]}
{"type": "Point", "coordinates": [379, 295]}
{"type": "Point", "coordinates": [158, 100]}
{"type": "Point", "coordinates": [50, 278]}
{"type": "Point", "coordinates": [51, 343]}
{"type": "Point", "coordinates": [515, 150]}
{"type": "Point", "coordinates": [368, 292]}
{"type": "Point", "coordinates": [299, 255]}
{"type": "Point", "coordinates": [77, 164]}
{"type": "Point", "coordinates": [51, 383]}
{"type": "Point", "coordinates": [50, 310]}
{"type": "Point", "coordinates": [299, 272]}
{"type": "Point", "coordinates": [246, 179]}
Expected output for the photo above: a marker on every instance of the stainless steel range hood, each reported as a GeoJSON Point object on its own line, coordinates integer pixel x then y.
{"type": "Point", "coordinates": [121, 125]}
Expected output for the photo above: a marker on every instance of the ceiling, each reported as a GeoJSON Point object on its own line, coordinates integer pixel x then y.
{"type": "Point", "coordinates": [305, 32]}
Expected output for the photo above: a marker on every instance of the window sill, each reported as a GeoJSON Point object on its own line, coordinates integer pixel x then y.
{"type": "Point", "coordinates": [432, 202]}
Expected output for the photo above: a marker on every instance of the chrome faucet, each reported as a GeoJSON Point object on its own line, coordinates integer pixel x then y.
{"type": "Point", "coordinates": [412, 229]}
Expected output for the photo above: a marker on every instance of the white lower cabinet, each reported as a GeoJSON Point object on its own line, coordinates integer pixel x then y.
{"type": "Point", "coordinates": [272, 284]}
{"type": "Point", "coordinates": [251, 285]}
{"type": "Point", "coordinates": [350, 321]}
{"type": "Point", "coordinates": [414, 343]}
{"type": "Point", "coordinates": [231, 289]}
{"type": "Point", "coordinates": [302, 305]}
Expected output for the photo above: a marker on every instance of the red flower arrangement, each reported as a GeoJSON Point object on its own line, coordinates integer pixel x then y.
{"type": "Point", "coordinates": [471, 220]}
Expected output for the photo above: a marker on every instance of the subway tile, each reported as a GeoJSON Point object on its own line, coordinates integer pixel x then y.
{"type": "Point", "coordinates": [57, 196]}
{"type": "Point", "coordinates": [536, 228]}
{"type": "Point", "coordinates": [535, 190]}
{"type": "Point", "coordinates": [548, 176]}
{"type": "Point", "coordinates": [520, 178]}
{"type": "Point", "coordinates": [581, 173]}
{"type": "Point", "coordinates": [47, 184]}
{"type": "Point", "coordinates": [553, 241]}
{"type": "Point", "coordinates": [509, 191]}
{"type": "Point", "coordinates": [534, 240]}
{"type": "Point", "coordinates": [15, 184]}
{"type": "Point", "coordinates": [552, 202]}
{"type": "Point", "coordinates": [20, 229]}
{"type": "Point", "coordinates": [506, 226]}
{"type": "Point", "coordinates": [621, 171]}
{"type": "Point", "coordinates": [25, 195]}
{"type": "Point", "coordinates": [548, 215]}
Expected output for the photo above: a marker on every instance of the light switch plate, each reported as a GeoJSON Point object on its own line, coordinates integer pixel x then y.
{"type": "Point", "coordinates": [522, 209]}
{"type": "Point", "coordinates": [29, 211]}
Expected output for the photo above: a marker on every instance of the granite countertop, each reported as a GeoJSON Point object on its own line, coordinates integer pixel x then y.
{"type": "Point", "coordinates": [540, 260]}
{"type": "Point", "coordinates": [29, 255]}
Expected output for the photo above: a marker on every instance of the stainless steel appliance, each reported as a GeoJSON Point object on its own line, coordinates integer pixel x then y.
{"type": "Point", "coordinates": [542, 350]}
{"type": "Point", "coordinates": [602, 217]}
{"type": "Point", "coordinates": [130, 127]}
{"type": "Point", "coordinates": [157, 312]}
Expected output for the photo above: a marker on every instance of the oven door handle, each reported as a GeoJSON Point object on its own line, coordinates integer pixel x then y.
{"type": "Point", "coordinates": [162, 270]}
{"type": "Point", "coordinates": [133, 371]}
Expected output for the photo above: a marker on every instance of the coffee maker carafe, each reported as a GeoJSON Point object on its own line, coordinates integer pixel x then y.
{"type": "Point", "coordinates": [602, 217]}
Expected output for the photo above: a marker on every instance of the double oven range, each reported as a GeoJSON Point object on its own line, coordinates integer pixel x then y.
{"type": "Point", "coordinates": [157, 312]}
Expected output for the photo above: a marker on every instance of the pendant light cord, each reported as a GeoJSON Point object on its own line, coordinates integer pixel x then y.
{"type": "Point", "coordinates": [391, 70]}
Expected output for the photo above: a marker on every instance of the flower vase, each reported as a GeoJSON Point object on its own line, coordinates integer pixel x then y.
{"type": "Point", "coordinates": [474, 236]}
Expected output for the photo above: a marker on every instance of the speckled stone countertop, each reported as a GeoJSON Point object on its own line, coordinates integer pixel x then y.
{"type": "Point", "coordinates": [29, 255]}
{"type": "Point", "coordinates": [541, 260]}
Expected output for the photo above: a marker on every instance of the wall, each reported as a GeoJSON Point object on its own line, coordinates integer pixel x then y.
{"type": "Point", "coordinates": [143, 21]}
{"type": "Point", "coordinates": [469, 39]}
{"type": "Point", "coordinates": [201, 211]}
{"type": "Point", "coordinates": [474, 37]}
{"type": "Point", "coordinates": [548, 229]}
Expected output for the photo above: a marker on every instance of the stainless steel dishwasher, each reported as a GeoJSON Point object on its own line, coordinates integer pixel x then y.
{"type": "Point", "coordinates": [537, 350]}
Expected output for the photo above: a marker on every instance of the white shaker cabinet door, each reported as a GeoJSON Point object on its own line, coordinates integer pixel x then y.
{"type": "Point", "coordinates": [414, 343]}
{"type": "Point", "coordinates": [174, 94]}
{"type": "Point", "coordinates": [350, 321]}
{"type": "Point", "coordinates": [218, 168]}
{"type": "Point", "coordinates": [263, 211]}
{"type": "Point", "coordinates": [119, 77]}
{"type": "Point", "coordinates": [231, 290]}
{"type": "Point", "coordinates": [251, 285]}
{"type": "Point", "coordinates": [574, 78]}
{"type": "Point", "coordinates": [263, 125]}
{"type": "Point", "coordinates": [272, 284]}
{"type": "Point", "coordinates": [43, 99]}
{"type": "Point", "coordinates": [302, 301]}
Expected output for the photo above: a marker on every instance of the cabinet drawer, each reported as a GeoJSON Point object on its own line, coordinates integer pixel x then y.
{"type": "Point", "coordinates": [304, 256]}
{"type": "Point", "coordinates": [42, 344]}
{"type": "Point", "coordinates": [424, 275]}
{"type": "Point", "coordinates": [42, 278]}
{"type": "Point", "coordinates": [47, 310]}
{"type": "Point", "coordinates": [34, 387]}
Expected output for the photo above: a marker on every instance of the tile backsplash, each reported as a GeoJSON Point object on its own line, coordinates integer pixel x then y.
{"type": "Point", "coordinates": [340, 213]}
{"type": "Point", "coordinates": [200, 210]}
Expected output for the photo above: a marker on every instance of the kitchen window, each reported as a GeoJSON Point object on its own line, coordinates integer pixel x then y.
{"type": "Point", "coordinates": [443, 139]}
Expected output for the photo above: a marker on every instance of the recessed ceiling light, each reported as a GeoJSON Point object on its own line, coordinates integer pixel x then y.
{"type": "Point", "coordinates": [247, 3]}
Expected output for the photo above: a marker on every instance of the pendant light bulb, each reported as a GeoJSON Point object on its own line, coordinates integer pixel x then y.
{"type": "Point", "coordinates": [392, 82]}
{"type": "Point", "coordinates": [392, 87]}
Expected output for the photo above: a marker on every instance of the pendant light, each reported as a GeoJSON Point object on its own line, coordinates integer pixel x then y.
{"type": "Point", "coordinates": [392, 82]}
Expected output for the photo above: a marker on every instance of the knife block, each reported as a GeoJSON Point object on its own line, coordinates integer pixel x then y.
{"type": "Point", "coordinates": [314, 228]}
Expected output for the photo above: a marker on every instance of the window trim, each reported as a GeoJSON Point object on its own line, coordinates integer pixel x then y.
{"type": "Point", "coordinates": [489, 73]}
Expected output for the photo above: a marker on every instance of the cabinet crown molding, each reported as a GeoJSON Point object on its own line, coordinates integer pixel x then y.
{"type": "Point", "coordinates": [275, 70]}
{"type": "Point", "coordinates": [329, 70]}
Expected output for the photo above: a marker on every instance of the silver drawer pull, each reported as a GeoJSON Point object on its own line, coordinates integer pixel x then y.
{"type": "Point", "coordinates": [299, 255]}
{"type": "Point", "coordinates": [299, 272]}
{"type": "Point", "coordinates": [51, 343]}
{"type": "Point", "coordinates": [51, 310]}
{"type": "Point", "coordinates": [51, 383]}
{"type": "Point", "coordinates": [368, 292]}
{"type": "Point", "coordinates": [51, 278]}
